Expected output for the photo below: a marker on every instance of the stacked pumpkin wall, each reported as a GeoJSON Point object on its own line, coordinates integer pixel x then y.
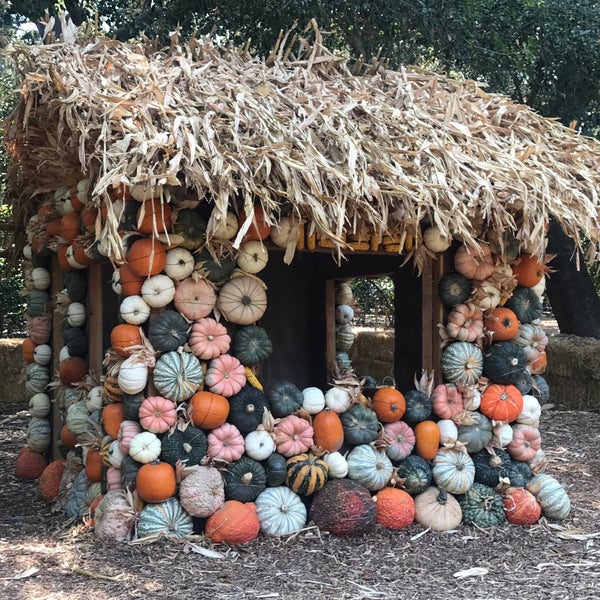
{"type": "Point", "coordinates": [162, 395]}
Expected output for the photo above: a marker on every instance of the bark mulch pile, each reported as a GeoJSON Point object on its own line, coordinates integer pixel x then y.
{"type": "Point", "coordinates": [44, 556]}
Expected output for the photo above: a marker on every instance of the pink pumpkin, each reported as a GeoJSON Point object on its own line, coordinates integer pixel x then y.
{"type": "Point", "coordinates": [293, 436]}
{"type": "Point", "coordinates": [226, 443]}
{"type": "Point", "coordinates": [157, 414]}
{"type": "Point", "coordinates": [525, 443]}
{"type": "Point", "coordinates": [209, 339]}
{"type": "Point", "coordinates": [113, 479]}
{"type": "Point", "coordinates": [127, 430]}
{"type": "Point", "coordinates": [447, 401]}
{"type": "Point", "coordinates": [225, 375]}
{"type": "Point", "coordinates": [402, 439]}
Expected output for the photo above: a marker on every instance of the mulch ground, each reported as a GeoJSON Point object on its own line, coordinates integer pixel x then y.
{"type": "Point", "coordinates": [44, 556]}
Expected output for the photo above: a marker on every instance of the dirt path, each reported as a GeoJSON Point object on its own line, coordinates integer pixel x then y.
{"type": "Point", "coordinates": [41, 556]}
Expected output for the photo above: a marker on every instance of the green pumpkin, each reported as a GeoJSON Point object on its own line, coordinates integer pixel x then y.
{"type": "Point", "coordinates": [306, 474]}
{"type": "Point", "coordinates": [475, 433]}
{"type": "Point", "coordinates": [166, 519]}
{"type": "Point", "coordinates": [39, 434]}
{"type": "Point", "coordinates": [75, 283]}
{"type": "Point", "coordinates": [131, 406]}
{"type": "Point", "coordinates": [37, 303]}
{"type": "Point", "coordinates": [191, 225]}
{"type": "Point", "coordinates": [177, 375]}
{"type": "Point", "coordinates": [244, 479]}
{"type": "Point", "coordinates": [129, 468]}
{"type": "Point", "coordinates": [284, 399]}
{"type": "Point", "coordinates": [369, 466]}
{"type": "Point", "coordinates": [360, 425]}
{"type": "Point", "coordinates": [489, 468]}
{"type": "Point", "coordinates": [540, 389]}
{"type": "Point", "coordinates": [526, 304]}
{"type": "Point", "coordinates": [454, 288]}
{"type": "Point", "coordinates": [216, 271]}
{"type": "Point", "coordinates": [37, 377]}
{"type": "Point", "coordinates": [482, 506]}
{"type": "Point", "coordinates": [416, 473]}
{"type": "Point", "coordinates": [418, 407]}
{"type": "Point", "coordinates": [524, 382]}
{"type": "Point", "coordinates": [246, 408]}
{"type": "Point", "coordinates": [519, 473]}
{"type": "Point", "coordinates": [188, 445]}
{"type": "Point", "coordinates": [76, 341]}
{"type": "Point", "coordinates": [504, 363]}
{"type": "Point", "coordinates": [251, 345]}
{"type": "Point", "coordinates": [462, 363]}
{"type": "Point", "coordinates": [551, 495]}
{"type": "Point", "coordinates": [168, 331]}
{"type": "Point", "coordinates": [75, 505]}
{"type": "Point", "coordinates": [276, 469]}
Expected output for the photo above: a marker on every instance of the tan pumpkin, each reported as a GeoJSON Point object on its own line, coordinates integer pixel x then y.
{"type": "Point", "coordinates": [158, 290]}
{"type": "Point", "coordinates": [252, 257]}
{"type": "Point", "coordinates": [194, 298]}
{"type": "Point", "coordinates": [476, 263]}
{"type": "Point", "coordinates": [243, 299]}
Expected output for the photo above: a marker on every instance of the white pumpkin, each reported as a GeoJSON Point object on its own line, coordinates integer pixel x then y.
{"type": "Point", "coordinates": [343, 314]}
{"type": "Point", "coordinates": [76, 314]}
{"type": "Point", "coordinates": [338, 399]}
{"type": "Point", "coordinates": [63, 354]}
{"type": "Point", "coordinates": [133, 375]}
{"type": "Point", "coordinates": [115, 456]}
{"type": "Point", "coordinates": [338, 465]}
{"type": "Point", "coordinates": [435, 241]}
{"type": "Point", "coordinates": [94, 399]}
{"type": "Point", "coordinates": [280, 234]}
{"type": "Point", "coordinates": [116, 282]}
{"type": "Point", "coordinates": [145, 447]}
{"type": "Point", "coordinates": [39, 405]}
{"type": "Point", "coordinates": [134, 310]}
{"type": "Point", "coordinates": [145, 191]}
{"type": "Point", "coordinates": [70, 256]}
{"type": "Point", "coordinates": [531, 412]}
{"type": "Point", "coordinates": [223, 229]}
{"type": "Point", "coordinates": [502, 435]}
{"type": "Point", "coordinates": [27, 252]}
{"type": "Point", "coordinates": [448, 431]}
{"type": "Point", "coordinates": [259, 444]}
{"type": "Point", "coordinates": [42, 354]}
{"type": "Point", "coordinates": [40, 277]}
{"type": "Point", "coordinates": [343, 293]}
{"type": "Point", "coordinates": [158, 290]}
{"type": "Point", "coordinates": [180, 263]}
{"type": "Point", "coordinates": [252, 257]}
{"type": "Point", "coordinates": [313, 400]}
{"type": "Point", "coordinates": [540, 287]}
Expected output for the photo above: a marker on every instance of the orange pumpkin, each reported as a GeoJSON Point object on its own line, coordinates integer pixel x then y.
{"type": "Point", "coordinates": [528, 270]}
{"type": "Point", "coordinates": [93, 465]}
{"type": "Point", "coordinates": [539, 363]}
{"type": "Point", "coordinates": [63, 262]}
{"type": "Point", "coordinates": [501, 402]}
{"type": "Point", "coordinates": [67, 439]}
{"type": "Point", "coordinates": [124, 336]}
{"type": "Point", "coordinates": [521, 507]}
{"type": "Point", "coordinates": [156, 482]}
{"type": "Point", "coordinates": [54, 228]}
{"type": "Point", "coordinates": [259, 229]}
{"type": "Point", "coordinates": [234, 523]}
{"type": "Point", "coordinates": [70, 226]}
{"type": "Point", "coordinates": [388, 404]}
{"type": "Point", "coordinates": [49, 482]}
{"type": "Point", "coordinates": [131, 282]}
{"type": "Point", "coordinates": [88, 218]}
{"type": "Point", "coordinates": [503, 324]}
{"type": "Point", "coordinates": [427, 439]}
{"type": "Point", "coordinates": [27, 348]}
{"type": "Point", "coordinates": [328, 430]}
{"type": "Point", "coordinates": [72, 370]}
{"type": "Point", "coordinates": [208, 410]}
{"type": "Point", "coordinates": [30, 464]}
{"type": "Point", "coordinates": [147, 257]}
{"type": "Point", "coordinates": [154, 216]}
{"type": "Point", "coordinates": [112, 417]}
{"type": "Point", "coordinates": [395, 508]}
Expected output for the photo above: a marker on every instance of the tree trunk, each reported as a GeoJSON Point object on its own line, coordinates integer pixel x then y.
{"type": "Point", "coordinates": [571, 292]}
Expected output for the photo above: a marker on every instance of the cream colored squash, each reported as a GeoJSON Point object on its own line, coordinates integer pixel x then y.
{"type": "Point", "coordinates": [158, 290]}
{"type": "Point", "coordinates": [134, 310]}
{"type": "Point", "coordinates": [252, 257]}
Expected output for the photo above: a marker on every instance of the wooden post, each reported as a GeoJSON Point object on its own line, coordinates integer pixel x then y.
{"type": "Point", "coordinates": [330, 326]}
{"type": "Point", "coordinates": [94, 319]}
{"type": "Point", "coordinates": [57, 343]}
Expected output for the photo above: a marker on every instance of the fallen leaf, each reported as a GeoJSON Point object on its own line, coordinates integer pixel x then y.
{"type": "Point", "coordinates": [472, 572]}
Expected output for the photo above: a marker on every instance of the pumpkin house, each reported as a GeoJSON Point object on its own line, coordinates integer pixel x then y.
{"type": "Point", "coordinates": [191, 219]}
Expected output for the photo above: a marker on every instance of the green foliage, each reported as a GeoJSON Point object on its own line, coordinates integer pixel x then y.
{"type": "Point", "coordinates": [375, 299]}
{"type": "Point", "coordinates": [12, 305]}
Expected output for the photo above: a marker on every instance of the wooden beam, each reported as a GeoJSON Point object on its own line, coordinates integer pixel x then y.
{"type": "Point", "coordinates": [57, 343]}
{"type": "Point", "coordinates": [95, 318]}
{"type": "Point", "coordinates": [330, 326]}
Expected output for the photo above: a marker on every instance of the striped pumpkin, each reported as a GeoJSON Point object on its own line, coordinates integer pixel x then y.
{"type": "Point", "coordinates": [177, 375]}
{"type": "Point", "coordinates": [306, 474]}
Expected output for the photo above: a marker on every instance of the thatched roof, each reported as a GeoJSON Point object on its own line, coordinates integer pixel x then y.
{"type": "Point", "coordinates": [380, 151]}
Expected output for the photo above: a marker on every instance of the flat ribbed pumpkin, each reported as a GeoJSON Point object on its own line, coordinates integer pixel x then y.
{"type": "Point", "coordinates": [209, 339]}
{"type": "Point", "coordinates": [194, 298]}
{"type": "Point", "coordinates": [177, 375]}
{"type": "Point", "coordinates": [157, 414]}
{"type": "Point", "coordinates": [243, 299]}
{"type": "Point", "coordinates": [225, 375]}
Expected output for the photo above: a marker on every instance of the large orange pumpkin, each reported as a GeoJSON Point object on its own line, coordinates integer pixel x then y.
{"type": "Point", "coordinates": [388, 404]}
{"type": "Point", "coordinates": [208, 410]}
{"type": "Point", "coordinates": [234, 523]}
{"type": "Point", "coordinates": [528, 270]}
{"type": "Point", "coordinates": [427, 439]}
{"type": "Point", "coordinates": [131, 282]}
{"type": "Point", "coordinates": [156, 482]}
{"type": "Point", "coordinates": [146, 257]}
{"type": "Point", "coordinates": [259, 229]}
{"type": "Point", "coordinates": [154, 216]}
{"type": "Point", "coordinates": [124, 336]}
{"type": "Point", "coordinates": [503, 324]}
{"type": "Point", "coordinates": [395, 508]}
{"type": "Point", "coordinates": [328, 430]}
{"type": "Point", "coordinates": [501, 402]}
{"type": "Point", "coordinates": [72, 370]}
